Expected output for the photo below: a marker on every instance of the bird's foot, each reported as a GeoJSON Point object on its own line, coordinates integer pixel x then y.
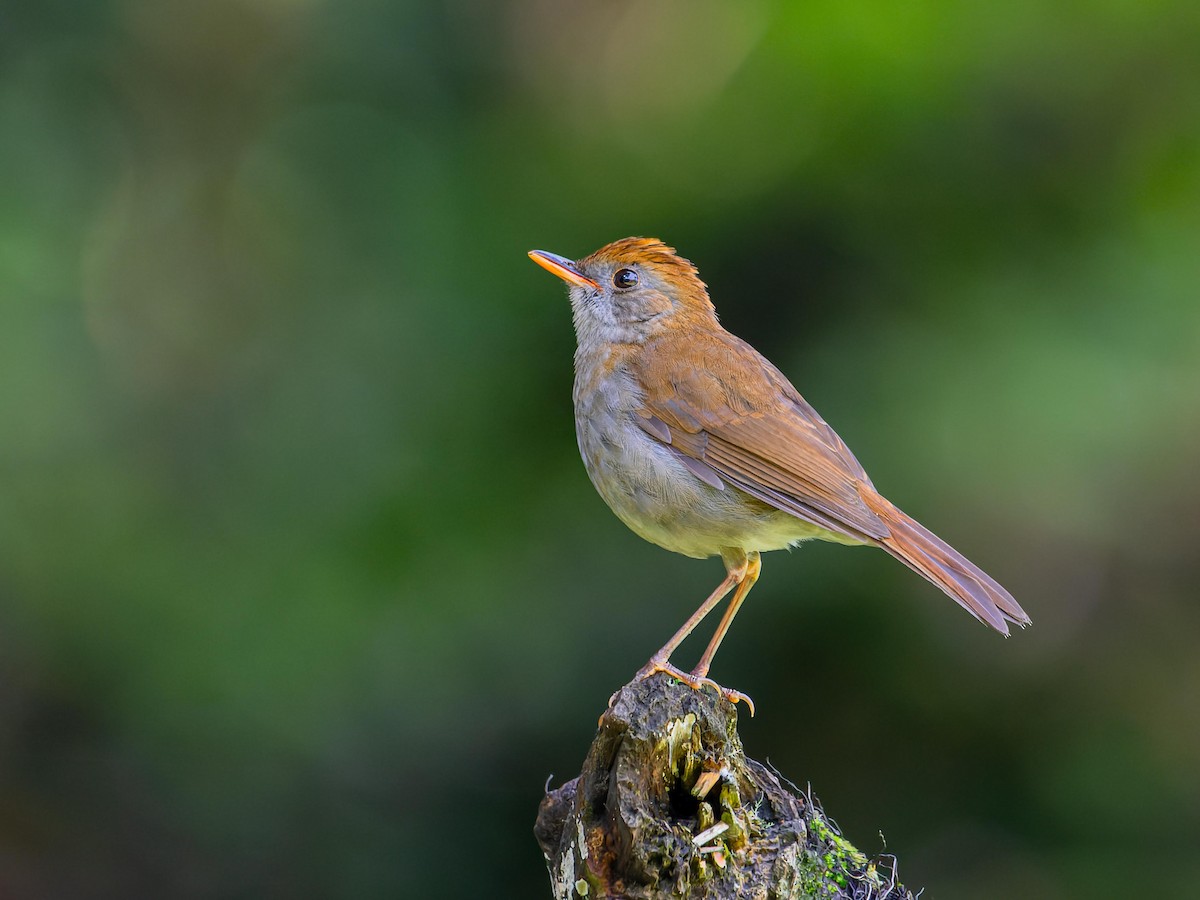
{"type": "Point", "coordinates": [694, 680]}
{"type": "Point", "coordinates": [731, 695]}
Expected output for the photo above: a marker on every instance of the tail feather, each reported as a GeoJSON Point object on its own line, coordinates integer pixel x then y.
{"type": "Point", "coordinates": [927, 554]}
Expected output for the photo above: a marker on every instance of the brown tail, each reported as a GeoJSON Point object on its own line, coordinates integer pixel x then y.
{"type": "Point", "coordinates": [924, 552]}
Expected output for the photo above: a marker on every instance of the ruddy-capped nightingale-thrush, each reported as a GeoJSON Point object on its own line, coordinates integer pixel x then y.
{"type": "Point", "coordinates": [703, 447]}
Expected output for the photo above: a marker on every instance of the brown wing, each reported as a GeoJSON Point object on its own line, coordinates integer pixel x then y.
{"type": "Point", "coordinates": [719, 402]}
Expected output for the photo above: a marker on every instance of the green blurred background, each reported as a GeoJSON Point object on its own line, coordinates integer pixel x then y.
{"type": "Point", "coordinates": [303, 589]}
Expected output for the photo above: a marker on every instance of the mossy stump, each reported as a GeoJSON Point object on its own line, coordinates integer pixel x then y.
{"type": "Point", "coordinates": [668, 806]}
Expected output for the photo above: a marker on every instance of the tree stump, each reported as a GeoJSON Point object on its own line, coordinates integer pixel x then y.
{"type": "Point", "coordinates": [668, 806]}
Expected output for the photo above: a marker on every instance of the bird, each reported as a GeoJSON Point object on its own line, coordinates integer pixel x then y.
{"type": "Point", "coordinates": [701, 446]}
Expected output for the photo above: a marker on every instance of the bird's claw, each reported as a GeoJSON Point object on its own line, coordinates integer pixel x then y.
{"type": "Point", "coordinates": [734, 696]}
{"type": "Point", "coordinates": [728, 693]}
{"type": "Point", "coordinates": [693, 680]}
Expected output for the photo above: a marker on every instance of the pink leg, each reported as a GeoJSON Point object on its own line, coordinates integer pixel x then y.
{"type": "Point", "coordinates": [737, 570]}
{"type": "Point", "coordinates": [663, 656]}
{"type": "Point", "coordinates": [753, 566]}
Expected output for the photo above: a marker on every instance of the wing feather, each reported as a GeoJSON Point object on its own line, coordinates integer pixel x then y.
{"type": "Point", "coordinates": [740, 416]}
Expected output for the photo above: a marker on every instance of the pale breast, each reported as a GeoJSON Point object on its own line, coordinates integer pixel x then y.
{"type": "Point", "coordinates": [650, 489]}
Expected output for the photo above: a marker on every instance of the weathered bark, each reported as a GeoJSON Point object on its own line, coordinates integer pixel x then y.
{"type": "Point", "coordinates": [667, 768]}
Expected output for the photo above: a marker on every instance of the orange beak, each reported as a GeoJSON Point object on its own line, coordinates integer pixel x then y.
{"type": "Point", "coordinates": [562, 267]}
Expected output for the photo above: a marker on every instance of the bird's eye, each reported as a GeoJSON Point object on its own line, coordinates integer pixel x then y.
{"type": "Point", "coordinates": [625, 278]}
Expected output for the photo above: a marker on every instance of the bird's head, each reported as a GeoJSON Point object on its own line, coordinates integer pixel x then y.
{"type": "Point", "coordinates": [630, 290]}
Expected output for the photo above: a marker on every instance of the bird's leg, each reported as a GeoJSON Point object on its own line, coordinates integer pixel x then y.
{"type": "Point", "coordinates": [751, 565]}
{"type": "Point", "coordinates": [660, 661]}
{"type": "Point", "coordinates": [737, 571]}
